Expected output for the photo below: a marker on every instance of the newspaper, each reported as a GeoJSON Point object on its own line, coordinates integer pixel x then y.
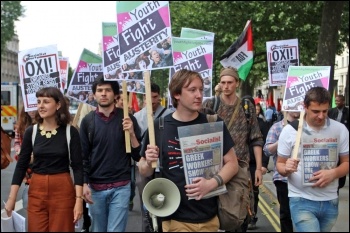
{"type": "Point", "coordinates": [202, 152]}
{"type": "Point", "coordinates": [13, 223]}
{"type": "Point", "coordinates": [318, 156]}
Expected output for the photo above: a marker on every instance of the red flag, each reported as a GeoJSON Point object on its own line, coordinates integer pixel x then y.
{"type": "Point", "coordinates": [270, 99]}
{"type": "Point", "coordinates": [134, 102]}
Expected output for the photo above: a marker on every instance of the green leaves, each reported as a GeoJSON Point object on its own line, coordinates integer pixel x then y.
{"type": "Point", "coordinates": [271, 20]}
{"type": "Point", "coordinates": [10, 12]}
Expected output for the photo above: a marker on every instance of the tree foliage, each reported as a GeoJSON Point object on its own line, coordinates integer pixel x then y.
{"type": "Point", "coordinates": [10, 12]}
{"type": "Point", "coordinates": [271, 20]}
{"type": "Point", "coordinates": [328, 38]}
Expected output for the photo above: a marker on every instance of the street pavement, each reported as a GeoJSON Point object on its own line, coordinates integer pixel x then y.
{"type": "Point", "coordinates": [342, 224]}
{"type": "Point", "coordinates": [268, 211]}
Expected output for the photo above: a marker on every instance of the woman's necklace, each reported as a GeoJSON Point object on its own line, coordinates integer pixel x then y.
{"type": "Point", "coordinates": [48, 134]}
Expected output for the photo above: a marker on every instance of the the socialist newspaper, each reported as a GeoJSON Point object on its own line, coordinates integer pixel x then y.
{"type": "Point", "coordinates": [321, 154]}
{"type": "Point", "coordinates": [202, 152]}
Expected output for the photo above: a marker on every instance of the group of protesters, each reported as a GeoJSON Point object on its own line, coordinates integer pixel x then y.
{"type": "Point", "coordinates": [101, 167]}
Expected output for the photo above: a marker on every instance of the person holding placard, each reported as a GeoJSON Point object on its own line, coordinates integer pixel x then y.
{"type": "Point", "coordinates": [197, 214]}
{"type": "Point", "coordinates": [141, 117]}
{"type": "Point", "coordinates": [107, 171]}
{"type": "Point", "coordinates": [312, 171]}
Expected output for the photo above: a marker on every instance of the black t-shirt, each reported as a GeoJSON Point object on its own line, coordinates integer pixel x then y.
{"type": "Point", "coordinates": [50, 155]}
{"type": "Point", "coordinates": [189, 210]}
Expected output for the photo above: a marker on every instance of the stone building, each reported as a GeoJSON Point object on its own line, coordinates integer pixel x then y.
{"type": "Point", "coordinates": [9, 62]}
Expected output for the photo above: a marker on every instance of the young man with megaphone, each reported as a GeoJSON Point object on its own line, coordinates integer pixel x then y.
{"type": "Point", "coordinates": [196, 214]}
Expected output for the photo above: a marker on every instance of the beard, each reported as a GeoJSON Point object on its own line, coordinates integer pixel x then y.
{"type": "Point", "coordinates": [105, 105]}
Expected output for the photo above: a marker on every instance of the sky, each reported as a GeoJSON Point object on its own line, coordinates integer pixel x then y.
{"type": "Point", "coordinates": [72, 25]}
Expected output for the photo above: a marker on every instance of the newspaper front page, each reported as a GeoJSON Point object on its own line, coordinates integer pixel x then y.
{"type": "Point", "coordinates": [202, 152]}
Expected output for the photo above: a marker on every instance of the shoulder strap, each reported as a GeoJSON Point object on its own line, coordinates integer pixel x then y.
{"type": "Point", "coordinates": [68, 139]}
{"type": "Point", "coordinates": [35, 129]}
{"type": "Point", "coordinates": [159, 140]}
{"type": "Point", "coordinates": [234, 114]}
{"type": "Point", "coordinates": [216, 103]}
{"type": "Point", "coordinates": [161, 113]}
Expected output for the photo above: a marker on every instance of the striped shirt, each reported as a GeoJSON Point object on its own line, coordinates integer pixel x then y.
{"type": "Point", "coordinates": [271, 138]}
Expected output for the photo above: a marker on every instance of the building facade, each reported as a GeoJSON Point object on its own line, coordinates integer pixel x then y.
{"type": "Point", "coordinates": [341, 75]}
{"type": "Point", "coordinates": [9, 62]}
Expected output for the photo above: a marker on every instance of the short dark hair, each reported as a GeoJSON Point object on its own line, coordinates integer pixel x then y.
{"type": "Point", "coordinates": [317, 94]}
{"type": "Point", "coordinates": [155, 88]}
{"type": "Point", "coordinates": [100, 81]}
{"type": "Point", "coordinates": [63, 116]}
{"type": "Point", "coordinates": [341, 97]}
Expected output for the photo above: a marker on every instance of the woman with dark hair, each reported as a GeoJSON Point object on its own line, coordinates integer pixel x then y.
{"type": "Point", "coordinates": [54, 204]}
{"type": "Point", "coordinates": [259, 111]}
{"type": "Point", "coordinates": [25, 119]}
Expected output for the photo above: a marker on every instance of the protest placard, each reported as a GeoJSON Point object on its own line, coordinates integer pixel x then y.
{"type": "Point", "coordinates": [88, 69]}
{"type": "Point", "coordinates": [144, 35]}
{"type": "Point", "coordinates": [299, 80]}
{"type": "Point", "coordinates": [280, 55]}
{"type": "Point", "coordinates": [196, 34]}
{"type": "Point", "coordinates": [38, 68]}
{"type": "Point", "coordinates": [195, 55]}
{"type": "Point", "coordinates": [110, 50]}
{"type": "Point", "coordinates": [64, 66]}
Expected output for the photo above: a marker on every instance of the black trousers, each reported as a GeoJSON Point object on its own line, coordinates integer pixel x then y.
{"type": "Point", "coordinates": [282, 196]}
{"type": "Point", "coordinates": [86, 217]}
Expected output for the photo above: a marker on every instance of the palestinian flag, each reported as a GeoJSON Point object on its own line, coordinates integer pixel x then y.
{"type": "Point", "coordinates": [240, 54]}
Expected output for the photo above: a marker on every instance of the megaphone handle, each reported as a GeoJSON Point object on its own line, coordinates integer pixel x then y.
{"type": "Point", "coordinates": [154, 222]}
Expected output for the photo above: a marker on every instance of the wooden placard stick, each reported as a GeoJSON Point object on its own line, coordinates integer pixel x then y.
{"type": "Point", "coordinates": [285, 118]}
{"type": "Point", "coordinates": [130, 100]}
{"type": "Point", "coordinates": [126, 114]}
{"type": "Point", "coordinates": [150, 123]}
{"type": "Point", "coordinates": [299, 133]}
{"type": "Point", "coordinates": [77, 115]}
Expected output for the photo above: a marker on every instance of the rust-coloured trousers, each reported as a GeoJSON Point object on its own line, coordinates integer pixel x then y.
{"type": "Point", "coordinates": [51, 200]}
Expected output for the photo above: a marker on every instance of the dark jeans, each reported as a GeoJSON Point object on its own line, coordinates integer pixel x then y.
{"type": "Point", "coordinates": [282, 196]}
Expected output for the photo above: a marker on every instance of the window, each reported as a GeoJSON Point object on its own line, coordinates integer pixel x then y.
{"type": "Point", "coordinates": [5, 98]}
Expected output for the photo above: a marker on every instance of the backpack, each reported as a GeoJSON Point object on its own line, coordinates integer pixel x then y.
{"type": "Point", "coordinates": [341, 181]}
{"type": "Point", "coordinates": [5, 149]}
{"type": "Point", "coordinates": [237, 205]}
